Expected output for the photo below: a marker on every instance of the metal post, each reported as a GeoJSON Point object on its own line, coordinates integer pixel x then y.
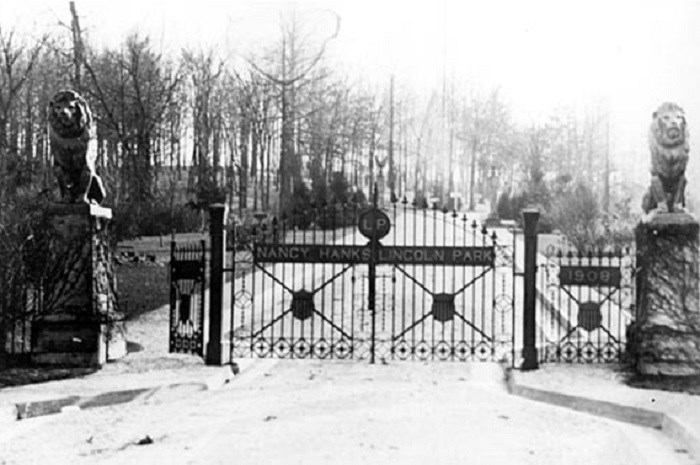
{"type": "Point", "coordinates": [530, 219]}
{"type": "Point", "coordinates": [217, 234]}
{"type": "Point", "coordinates": [373, 276]}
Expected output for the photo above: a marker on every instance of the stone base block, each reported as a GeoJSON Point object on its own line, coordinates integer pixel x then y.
{"type": "Point", "coordinates": [61, 340]}
{"type": "Point", "coordinates": [663, 351]}
{"type": "Point", "coordinates": [73, 359]}
{"type": "Point", "coordinates": [668, 295]}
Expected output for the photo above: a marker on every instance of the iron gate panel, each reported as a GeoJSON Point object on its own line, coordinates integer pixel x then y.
{"type": "Point", "coordinates": [283, 306]}
{"type": "Point", "coordinates": [187, 286]}
{"type": "Point", "coordinates": [585, 306]}
{"type": "Point", "coordinates": [442, 287]}
{"type": "Point", "coordinates": [448, 311]}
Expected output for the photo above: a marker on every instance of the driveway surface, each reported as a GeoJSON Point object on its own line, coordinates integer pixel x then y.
{"type": "Point", "coordinates": [330, 412]}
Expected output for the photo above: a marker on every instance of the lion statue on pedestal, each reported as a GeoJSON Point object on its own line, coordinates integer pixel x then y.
{"type": "Point", "coordinates": [70, 135]}
{"type": "Point", "coordinates": [669, 146]}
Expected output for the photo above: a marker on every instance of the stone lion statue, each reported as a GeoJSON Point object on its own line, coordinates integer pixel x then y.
{"type": "Point", "coordinates": [669, 146]}
{"type": "Point", "coordinates": [70, 134]}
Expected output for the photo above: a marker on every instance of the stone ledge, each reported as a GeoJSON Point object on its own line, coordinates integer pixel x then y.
{"type": "Point", "coordinates": [72, 340]}
{"type": "Point", "coordinates": [73, 359]}
{"type": "Point", "coordinates": [669, 224]}
{"type": "Point", "coordinates": [671, 368]}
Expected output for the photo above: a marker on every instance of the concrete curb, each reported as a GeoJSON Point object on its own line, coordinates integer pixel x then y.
{"type": "Point", "coordinates": [669, 425]}
{"type": "Point", "coordinates": [11, 412]}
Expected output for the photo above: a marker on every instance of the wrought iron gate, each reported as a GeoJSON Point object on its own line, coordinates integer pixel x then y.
{"type": "Point", "coordinates": [586, 305]}
{"type": "Point", "coordinates": [354, 282]}
{"type": "Point", "coordinates": [187, 286]}
{"type": "Point", "coordinates": [402, 283]}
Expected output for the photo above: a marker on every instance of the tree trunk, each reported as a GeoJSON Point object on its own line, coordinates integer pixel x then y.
{"type": "Point", "coordinates": [392, 174]}
{"type": "Point", "coordinates": [287, 163]}
{"type": "Point", "coordinates": [472, 177]}
{"type": "Point", "coordinates": [243, 172]}
{"type": "Point", "coordinates": [3, 158]}
{"type": "Point", "coordinates": [77, 47]}
{"type": "Point", "coordinates": [29, 126]}
{"type": "Point", "coordinates": [254, 163]}
{"type": "Point", "coordinates": [142, 166]}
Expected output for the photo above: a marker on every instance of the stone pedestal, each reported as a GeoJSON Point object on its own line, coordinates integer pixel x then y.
{"type": "Point", "coordinates": [77, 325]}
{"type": "Point", "coordinates": [667, 329]}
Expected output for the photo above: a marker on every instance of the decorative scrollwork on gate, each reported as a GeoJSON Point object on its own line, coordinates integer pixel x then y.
{"type": "Point", "coordinates": [187, 274]}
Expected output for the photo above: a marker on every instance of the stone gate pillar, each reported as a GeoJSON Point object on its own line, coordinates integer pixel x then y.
{"type": "Point", "coordinates": [667, 331]}
{"type": "Point", "coordinates": [77, 324]}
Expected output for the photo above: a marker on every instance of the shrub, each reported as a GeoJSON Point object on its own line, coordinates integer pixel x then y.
{"type": "Point", "coordinates": [320, 195]}
{"type": "Point", "coordinates": [340, 189]}
{"type": "Point", "coordinates": [338, 216]}
{"type": "Point", "coordinates": [299, 213]}
{"type": "Point", "coordinates": [27, 260]}
{"type": "Point", "coordinates": [576, 213]}
{"type": "Point", "coordinates": [358, 197]}
{"type": "Point", "coordinates": [153, 219]}
{"type": "Point", "coordinates": [503, 207]}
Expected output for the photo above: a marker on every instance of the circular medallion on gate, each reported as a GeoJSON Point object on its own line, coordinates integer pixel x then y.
{"type": "Point", "coordinates": [374, 222]}
{"type": "Point", "coordinates": [568, 352]}
{"type": "Point", "coordinates": [422, 350]}
{"type": "Point", "coordinates": [589, 316]}
{"type": "Point", "coordinates": [402, 350]}
{"type": "Point", "coordinates": [462, 350]}
{"type": "Point", "coordinates": [483, 350]}
{"type": "Point", "coordinates": [281, 348]}
{"type": "Point", "coordinates": [321, 349]}
{"type": "Point", "coordinates": [301, 348]}
{"type": "Point", "coordinates": [261, 347]}
{"type": "Point", "coordinates": [443, 350]}
{"type": "Point", "coordinates": [589, 352]}
{"type": "Point", "coordinates": [341, 349]}
{"type": "Point", "coordinates": [610, 352]}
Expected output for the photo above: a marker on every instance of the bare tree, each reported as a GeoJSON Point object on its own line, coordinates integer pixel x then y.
{"type": "Point", "coordinates": [205, 73]}
{"type": "Point", "coordinates": [17, 62]}
{"type": "Point", "coordinates": [486, 126]}
{"type": "Point", "coordinates": [134, 88]}
{"type": "Point", "coordinates": [296, 63]}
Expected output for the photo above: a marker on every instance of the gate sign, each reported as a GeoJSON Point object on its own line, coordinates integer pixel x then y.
{"type": "Point", "coordinates": [373, 222]}
{"type": "Point", "coordinates": [605, 276]}
{"type": "Point", "coordinates": [358, 254]}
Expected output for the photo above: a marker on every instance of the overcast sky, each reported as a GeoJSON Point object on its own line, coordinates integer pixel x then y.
{"type": "Point", "coordinates": [541, 53]}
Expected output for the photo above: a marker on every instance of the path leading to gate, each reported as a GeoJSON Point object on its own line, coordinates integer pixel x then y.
{"type": "Point", "coordinates": [332, 412]}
